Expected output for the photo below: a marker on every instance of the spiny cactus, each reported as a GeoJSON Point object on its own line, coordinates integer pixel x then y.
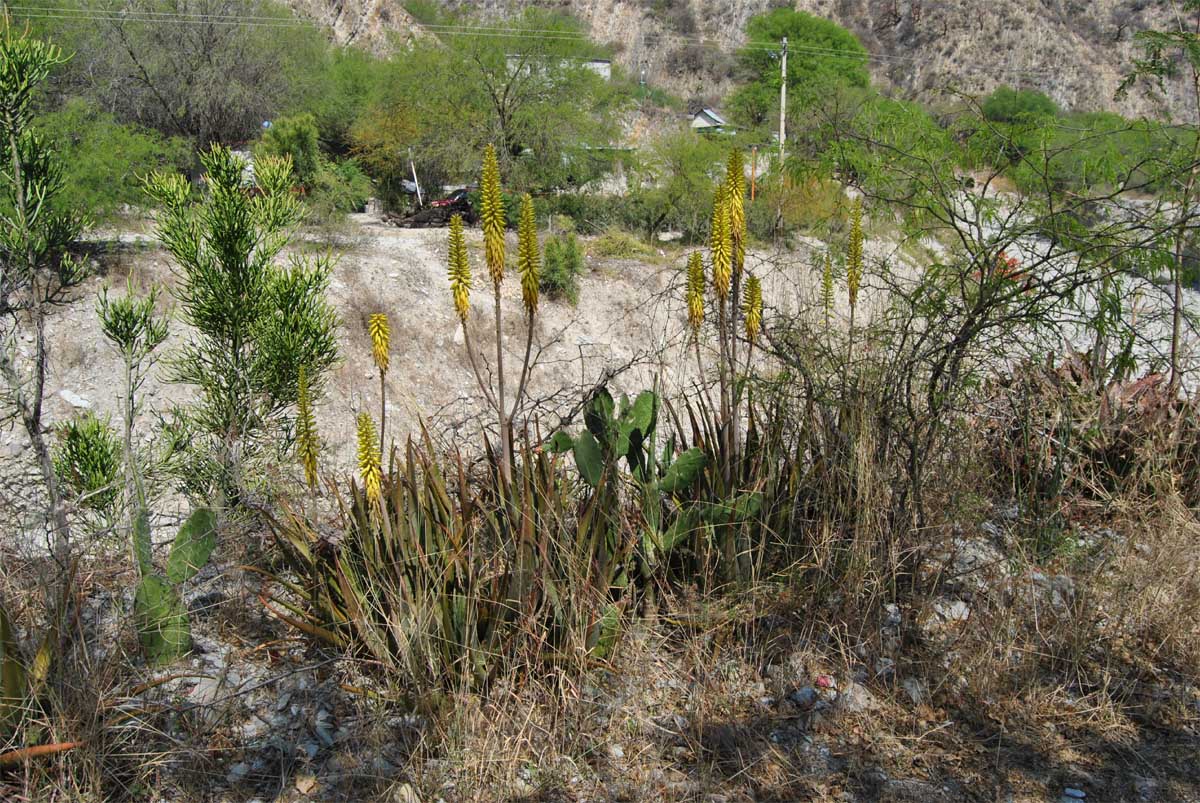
{"type": "Point", "coordinates": [369, 458]}
{"type": "Point", "coordinates": [307, 442]}
{"type": "Point", "coordinates": [827, 289]}
{"type": "Point", "coordinates": [529, 261]}
{"type": "Point", "coordinates": [377, 328]}
{"type": "Point", "coordinates": [460, 269]}
{"type": "Point", "coordinates": [752, 307]}
{"type": "Point", "coordinates": [492, 215]}
{"type": "Point", "coordinates": [720, 245]}
{"type": "Point", "coordinates": [854, 253]}
{"type": "Point", "coordinates": [695, 291]}
{"type": "Point", "coordinates": [735, 192]}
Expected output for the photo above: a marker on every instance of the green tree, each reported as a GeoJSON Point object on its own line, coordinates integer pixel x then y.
{"type": "Point", "coordinates": [1166, 54]}
{"type": "Point", "coordinates": [823, 57]}
{"type": "Point", "coordinates": [255, 323]}
{"type": "Point", "coordinates": [522, 86]}
{"type": "Point", "coordinates": [671, 187]}
{"type": "Point", "coordinates": [1008, 105]}
{"type": "Point", "coordinates": [37, 228]}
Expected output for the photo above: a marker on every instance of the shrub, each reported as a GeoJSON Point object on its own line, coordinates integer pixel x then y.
{"type": "Point", "coordinates": [619, 244]}
{"type": "Point", "coordinates": [256, 323]}
{"type": "Point", "coordinates": [563, 265]}
{"type": "Point", "coordinates": [337, 188]}
{"type": "Point", "coordinates": [88, 461]}
{"type": "Point", "coordinates": [295, 137]}
{"type": "Point", "coordinates": [103, 159]}
{"type": "Point", "coordinates": [1008, 105]}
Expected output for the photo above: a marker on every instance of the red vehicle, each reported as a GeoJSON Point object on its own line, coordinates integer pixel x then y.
{"type": "Point", "coordinates": [457, 200]}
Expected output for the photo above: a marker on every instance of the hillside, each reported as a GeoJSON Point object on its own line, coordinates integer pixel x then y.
{"type": "Point", "coordinates": [1074, 51]}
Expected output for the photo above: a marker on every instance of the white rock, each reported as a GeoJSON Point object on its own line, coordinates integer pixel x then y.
{"type": "Point", "coordinates": [74, 399]}
{"type": "Point", "coordinates": [952, 610]}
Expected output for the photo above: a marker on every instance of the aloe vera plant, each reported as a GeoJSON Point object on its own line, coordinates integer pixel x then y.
{"type": "Point", "coordinates": [159, 610]}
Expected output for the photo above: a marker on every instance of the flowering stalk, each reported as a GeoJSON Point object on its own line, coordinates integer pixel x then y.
{"type": "Point", "coordinates": [307, 441]}
{"type": "Point", "coordinates": [380, 333]}
{"type": "Point", "coordinates": [369, 459]}
{"type": "Point", "coordinates": [854, 269]}
{"type": "Point", "coordinates": [529, 265]}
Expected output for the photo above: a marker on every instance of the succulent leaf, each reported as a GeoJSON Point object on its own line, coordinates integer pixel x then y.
{"type": "Point", "coordinates": [161, 620]}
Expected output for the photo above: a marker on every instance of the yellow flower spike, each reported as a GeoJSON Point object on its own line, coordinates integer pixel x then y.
{"type": "Point", "coordinates": [307, 442]}
{"type": "Point", "coordinates": [460, 269]}
{"type": "Point", "coordinates": [695, 291]}
{"type": "Point", "coordinates": [369, 459]}
{"type": "Point", "coordinates": [735, 193]}
{"type": "Point", "coordinates": [854, 252]}
{"type": "Point", "coordinates": [491, 215]}
{"type": "Point", "coordinates": [720, 246]}
{"type": "Point", "coordinates": [529, 261]}
{"type": "Point", "coordinates": [752, 307]}
{"type": "Point", "coordinates": [827, 288]}
{"type": "Point", "coordinates": [377, 328]}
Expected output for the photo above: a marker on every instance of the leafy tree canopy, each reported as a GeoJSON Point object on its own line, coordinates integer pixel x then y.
{"type": "Point", "coordinates": [822, 56]}
{"type": "Point", "coordinates": [1008, 105]}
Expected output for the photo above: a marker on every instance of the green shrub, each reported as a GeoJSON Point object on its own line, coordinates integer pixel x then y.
{"type": "Point", "coordinates": [88, 461]}
{"type": "Point", "coordinates": [337, 188]}
{"type": "Point", "coordinates": [562, 267]}
{"type": "Point", "coordinates": [619, 244]}
{"type": "Point", "coordinates": [295, 137]}
{"type": "Point", "coordinates": [103, 159]}
{"type": "Point", "coordinates": [1008, 105]}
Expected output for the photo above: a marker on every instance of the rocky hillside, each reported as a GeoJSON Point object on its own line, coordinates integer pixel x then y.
{"type": "Point", "coordinates": [1074, 50]}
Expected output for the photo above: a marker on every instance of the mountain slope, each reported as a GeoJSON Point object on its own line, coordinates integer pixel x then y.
{"type": "Point", "coordinates": [1074, 50]}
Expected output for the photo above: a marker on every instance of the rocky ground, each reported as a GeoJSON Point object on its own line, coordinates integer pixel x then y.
{"type": "Point", "coordinates": [1007, 683]}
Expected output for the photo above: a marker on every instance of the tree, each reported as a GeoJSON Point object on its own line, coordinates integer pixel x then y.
{"type": "Point", "coordinates": [823, 57]}
{"type": "Point", "coordinates": [672, 186]}
{"type": "Point", "coordinates": [1165, 54]}
{"type": "Point", "coordinates": [522, 86]}
{"type": "Point", "coordinates": [1008, 105]}
{"type": "Point", "coordinates": [37, 229]}
{"type": "Point", "coordinates": [207, 70]}
{"type": "Point", "coordinates": [256, 323]}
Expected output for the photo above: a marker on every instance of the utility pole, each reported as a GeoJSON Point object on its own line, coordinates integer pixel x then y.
{"type": "Point", "coordinates": [753, 169]}
{"type": "Point", "coordinates": [782, 101]}
{"type": "Point", "coordinates": [413, 168]}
